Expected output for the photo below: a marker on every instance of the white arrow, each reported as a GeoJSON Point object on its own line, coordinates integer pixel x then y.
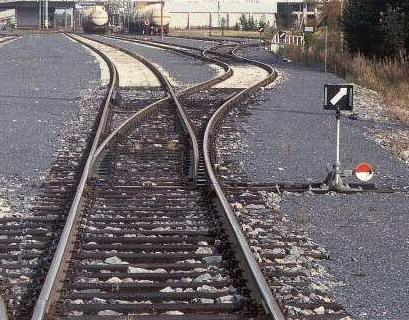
{"type": "Point", "coordinates": [342, 93]}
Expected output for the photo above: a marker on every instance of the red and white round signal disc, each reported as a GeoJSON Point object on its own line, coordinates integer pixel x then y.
{"type": "Point", "coordinates": [364, 171]}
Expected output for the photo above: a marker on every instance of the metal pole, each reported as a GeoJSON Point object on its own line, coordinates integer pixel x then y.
{"type": "Point", "coordinates": [188, 20]}
{"type": "Point", "coordinates": [218, 14]}
{"type": "Point", "coordinates": [342, 32]}
{"type": "Point", "coordinates": [3, 309]}
{"type": "Point", "coordinates": [210, 24]}
{"type": "Point", "coordinates": [161, 18]}
{"type": "Point", "coordinates": [65, 19]}
{"type": "Point", "coordinates": [72, 18]}
{"type": "Point", "coordinates": [337, 160]}
{"type": "Point", "coordinates": [128, 16]}
{"type": "Point", "coordinates": [46, 14]}
{"type": "Point", "coordinates": [326, 48]}
{"type": "Point", "coordinates": [39, 14]}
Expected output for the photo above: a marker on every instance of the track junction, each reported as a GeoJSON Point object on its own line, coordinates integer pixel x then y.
{"type": "Point", "coordinates": [148, 228]}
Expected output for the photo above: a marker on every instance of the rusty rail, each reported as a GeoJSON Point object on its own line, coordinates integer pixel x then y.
{"type": "Point", "coordinates": [52, 284]}
{"type": "Point", "coordinates": [260, 290]}
{"type": "Point", "coordinates": [50, 291]}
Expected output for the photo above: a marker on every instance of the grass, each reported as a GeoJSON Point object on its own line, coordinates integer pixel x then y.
{"type": "Point", "coordinates": [389, 77]}
{"type": "Point", "coordinates": [215, 33]}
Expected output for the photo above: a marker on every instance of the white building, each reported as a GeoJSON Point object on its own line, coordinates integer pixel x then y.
{"type": "Point", "coordinates": [202, 13]}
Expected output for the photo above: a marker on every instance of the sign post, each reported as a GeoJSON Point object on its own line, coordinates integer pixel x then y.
{"type": "Point", "coordinates": [326, 48]}
{"type": "Point", "coordinates": [339, 98]}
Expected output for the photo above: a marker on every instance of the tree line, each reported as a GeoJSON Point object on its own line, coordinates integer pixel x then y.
{"type": "Point", "coordinates": [376, 28]}
{"type": "Point", "coordinates": [250, 23]}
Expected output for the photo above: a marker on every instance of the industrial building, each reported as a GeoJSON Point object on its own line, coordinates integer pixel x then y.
{"type": "Point", "coordinates": [34, 13]}
{"type": "Point", "coordinates": [184, 14]}
{"type": "Point", "coordinates": [200, 13]}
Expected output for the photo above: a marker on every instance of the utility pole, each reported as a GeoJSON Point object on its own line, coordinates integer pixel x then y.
{"type": "Point", "coordinates": [218, 14]}
{"type": "Point", "coordinates": [39, 14]}
{"type": "Point", "coordinates": [210, 24]}
{"type": "Point", "coordinates": [342, 32]}
{"type": "Point", "coordinates": [129, 14]}
{"type": "Point", "coordinates": [65, 19]}
{"type": "Point", "coordinates": [162, 3]}
{"type": "Point", "coordinates": [188, 20]}
{"type": "Point", "coordinates": [46, 14]}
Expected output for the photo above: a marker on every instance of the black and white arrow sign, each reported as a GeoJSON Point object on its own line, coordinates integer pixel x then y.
{"type": "Point", "coordinates": [342, 93]}
{"type": "Point", "coordinates": [338, 96]}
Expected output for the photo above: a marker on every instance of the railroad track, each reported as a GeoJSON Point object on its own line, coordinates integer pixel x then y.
{"type": "Point", "coordinates": [288, 258]}
{"type": "Point", "coordinates": [144, 235]}
{"type": "Point", "coordinates": [28, 239]}
{"type": "Point", "coordinates": [151, 231]}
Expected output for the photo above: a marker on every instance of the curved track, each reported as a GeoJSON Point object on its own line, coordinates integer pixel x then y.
{"type": "Point", "coordinates": [289, 260]}
{"type": "Point", "coordinates": [278, 252]}
{"type": "Point", "coordinates": [151, 230]}
{"type": "Point", "coordinates": [143, 240]}
{"type": "Point", "coordinates": [28, 240]}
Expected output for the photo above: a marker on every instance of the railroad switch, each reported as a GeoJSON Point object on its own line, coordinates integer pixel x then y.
{"type": "Point", "coordinates": [116, 99]}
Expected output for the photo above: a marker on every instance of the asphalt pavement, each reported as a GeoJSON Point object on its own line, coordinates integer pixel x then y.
{"type": "Point", "coordinates": [42, 78]}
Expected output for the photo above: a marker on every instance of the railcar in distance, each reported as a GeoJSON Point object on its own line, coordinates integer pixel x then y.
{"type": "Point", "coordinates": [147, 21]}
{"type": "Point", "coordinates": [95, 20]}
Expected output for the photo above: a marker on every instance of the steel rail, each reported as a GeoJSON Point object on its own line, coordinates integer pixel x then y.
{"type": "Point", "coordinates": [261, 290]}
{"type": "Point", "coordinates": [52, 284]}
{"type": "Point", "coordinates": [259, 287]}
{"type": "Point", "coordinates": [152, 42]}
{"type": "Point", "coordinates": [256, 281]}
{"type": "Point", "coordinates": [176, 48]}
{"type": "Point", "coordinates": [127, 125]}
{"type": "Point", "coordinates": [217, 39]}
{"type": "Point", "coordinates": [187, 126]}
{"type": "Point", "coordinates": [3, 309]}
{"type": "Point", "coordinates": [50, 290]}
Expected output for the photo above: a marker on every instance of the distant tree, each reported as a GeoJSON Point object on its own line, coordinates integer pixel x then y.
{"type": "Point", "coordinates": [237, 26]}
{"type": "Point", "coordinates": [405, 9]}
{"type": "Point", "coordinates": [262, 22]}
{"type": "Point", "coordinates": [393, 25]}
{"type": "Point", "coordinates": [244, 22]}
{"type": "Point", "coordinates": [401, 8]}
{"type": "Point", "coordinates": [362, 28]}
{"type": "Point", "coordinates": [252, 24]}
{"type": "Point", "coordinates": [223, 24]}
{"type": "Point", "coordinates": [330, 14]}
